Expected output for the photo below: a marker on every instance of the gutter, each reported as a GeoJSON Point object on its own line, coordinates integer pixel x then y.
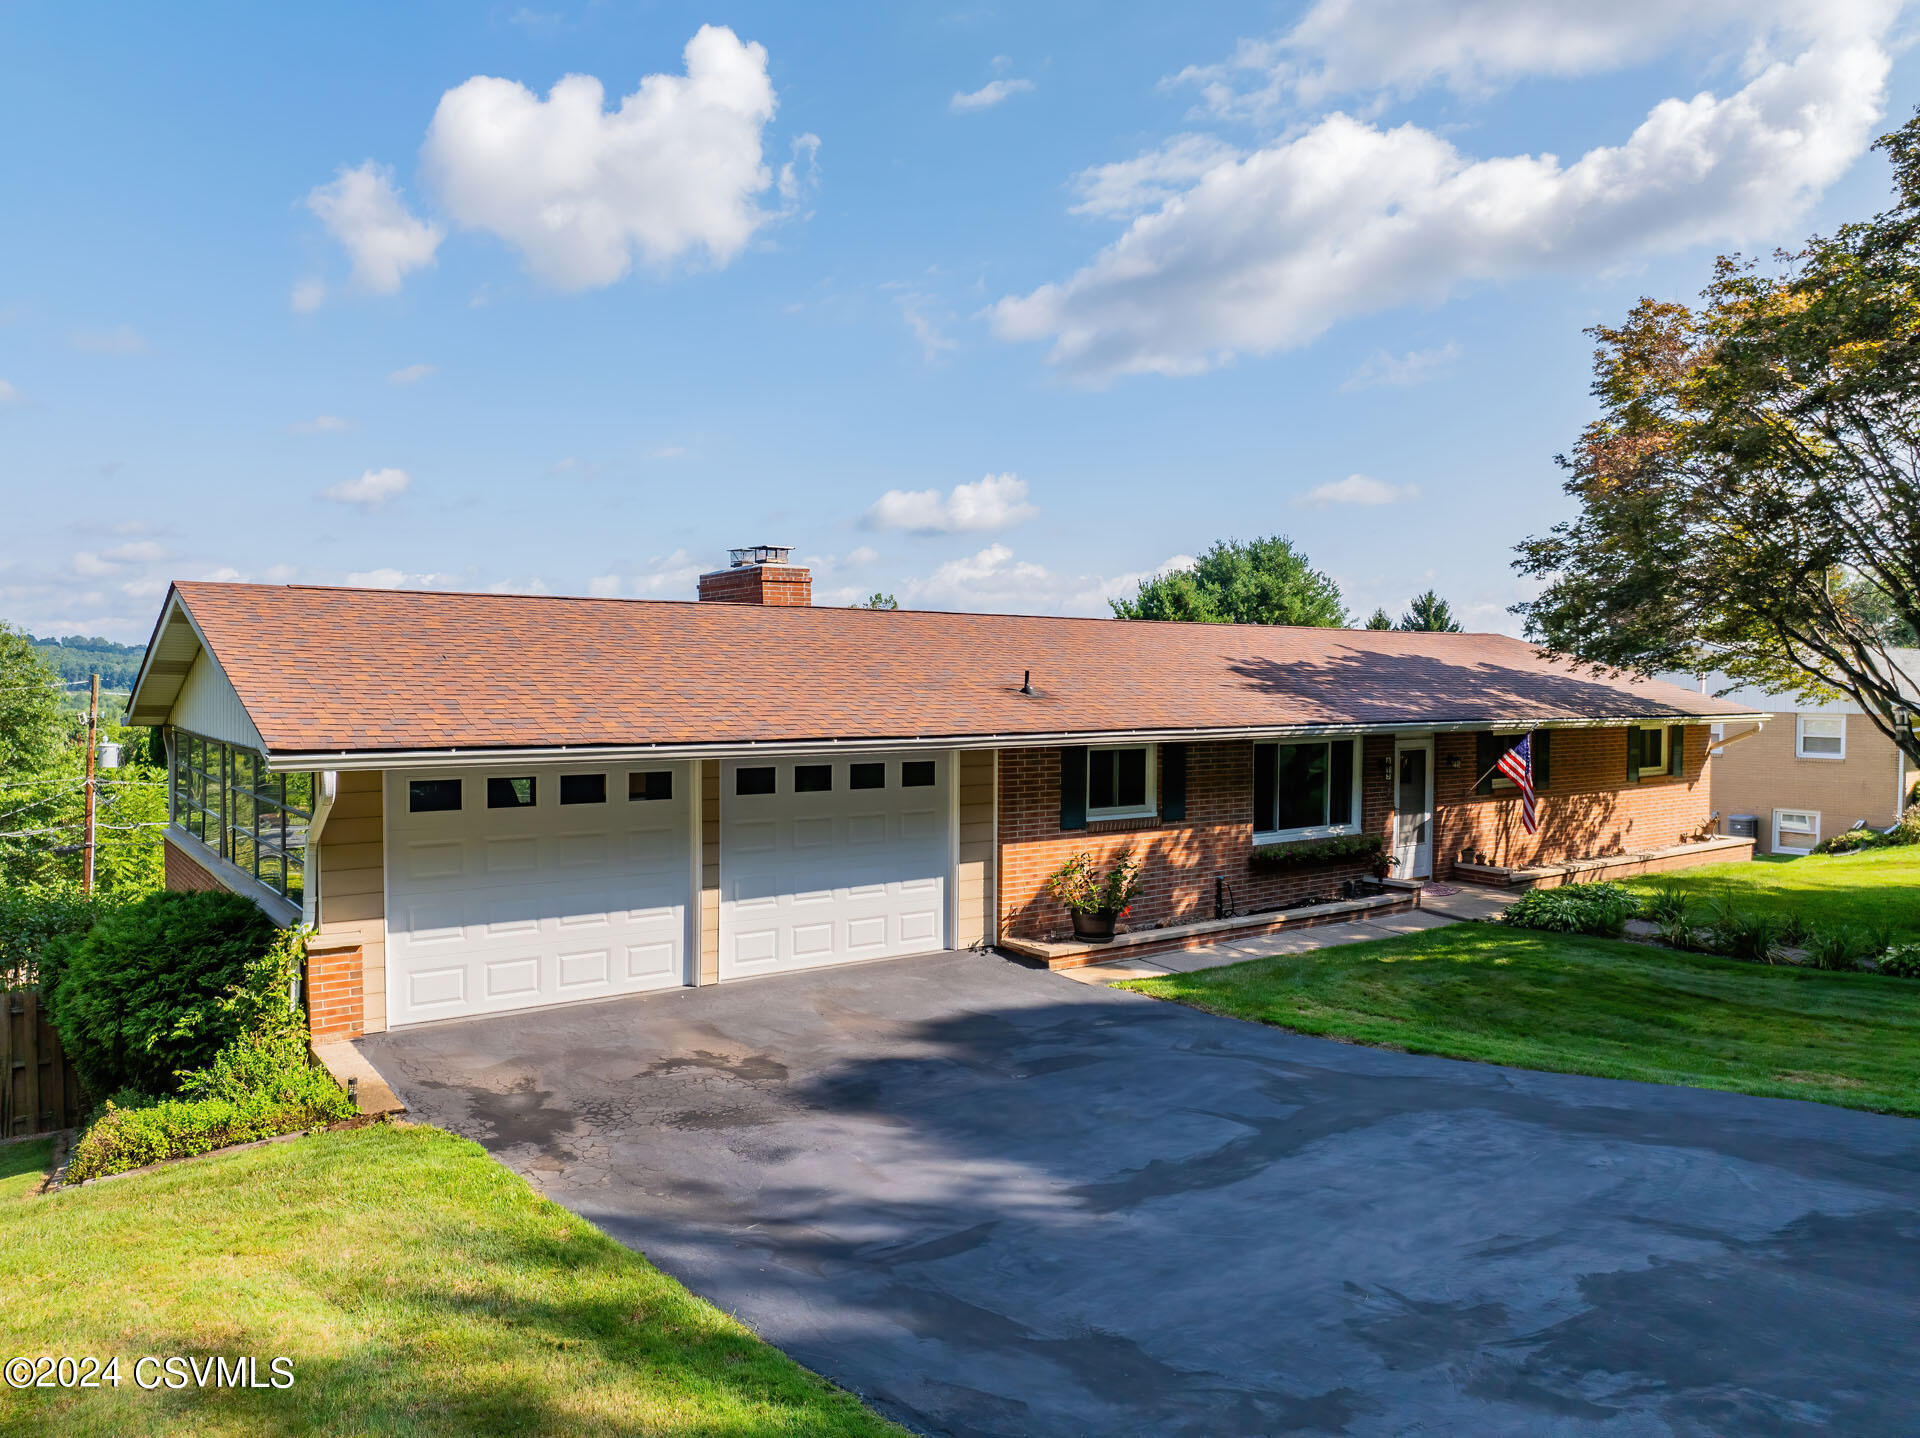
{"type": "Point", "coordinates": [357, 760]}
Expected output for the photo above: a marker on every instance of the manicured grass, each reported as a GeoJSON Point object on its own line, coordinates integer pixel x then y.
{"type": "Point", "coordinates": [418, 1287]}
{"type": "Point", "coordinates": [22, 1166]}
{"type": "Point", "coordinates": [1591, 1006]}
{"type": "Point", "coordinates": [1863, 891]}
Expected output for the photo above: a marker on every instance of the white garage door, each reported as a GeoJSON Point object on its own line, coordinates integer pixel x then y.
{"type": "Point", "coordinates": [823, 862]}
{"type": "Point", "coordinates": [511, 888]}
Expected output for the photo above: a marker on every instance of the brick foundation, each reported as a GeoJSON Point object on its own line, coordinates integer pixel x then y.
{"type": "Point", "coordinates": [183, 872]}
{"type": "Point", "coordinates": [336, 1001]}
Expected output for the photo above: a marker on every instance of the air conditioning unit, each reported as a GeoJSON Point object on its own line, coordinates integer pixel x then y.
{"type": "Point", "coordinates": [1743, 826]}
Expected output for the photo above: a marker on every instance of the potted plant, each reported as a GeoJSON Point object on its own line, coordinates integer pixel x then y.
{"type": "Point", "coordinates": [1095, 898]}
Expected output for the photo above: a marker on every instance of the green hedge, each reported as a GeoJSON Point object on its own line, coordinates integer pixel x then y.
{"type": "Point", "coordinates": [138, 997]}
{"type": "Point", "coordinates": [1318, 851]}
{"type": "Point", "coordinates": [32, 920]}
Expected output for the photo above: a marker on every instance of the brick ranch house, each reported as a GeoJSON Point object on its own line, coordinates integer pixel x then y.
{"type": "Point", "coordinates": [490, 802]}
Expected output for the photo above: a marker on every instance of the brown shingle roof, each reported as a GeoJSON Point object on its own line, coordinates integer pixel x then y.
{"type": "Point", "coordinates": [364, 669]}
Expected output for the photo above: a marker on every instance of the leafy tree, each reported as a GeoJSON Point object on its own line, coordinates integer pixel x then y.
{"type": "Point", "coordinates": [1379, 619]}
{"type": "Point", "coordinates": [1431, 613]}
{"type": "Point", "coordinates": [877, 601]}
{"type": "Point", "coordinates": [1748, 495]}
{"type": "Point", "coordinates": [1259, 581]}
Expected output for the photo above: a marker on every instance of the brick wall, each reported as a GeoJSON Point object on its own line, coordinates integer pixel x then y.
{"type": "Point", "coordinates": [1759, 773]}
{"type": "Point", "coordinates": [184, 872]}
{"type": "Point", "coordinates": [336, 1003]}
{"type": "Point", "coordinates": [351, 873]}
{"type": "Point", "coordinates": [1179, 860]}
{"type": "Point", "coordinates": [1590, 809]}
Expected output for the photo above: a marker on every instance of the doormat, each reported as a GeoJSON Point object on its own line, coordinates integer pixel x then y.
{"type": "Point", "coordinates": [1439, 890]}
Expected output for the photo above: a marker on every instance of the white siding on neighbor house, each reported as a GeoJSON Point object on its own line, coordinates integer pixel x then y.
{"type": "Point", "coordinates": [207, 706]}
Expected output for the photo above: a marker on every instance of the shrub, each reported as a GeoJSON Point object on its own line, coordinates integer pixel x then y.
{"type": "Point", "coordinates": [1081, 886]}
{"type": "Point", "coordinates": [1742, 935]}
{"type": "Point", "coordinates": [1902, 961]}
{"type": "Point", "coordinates": [31, 920]}
{"type": "Point", "coordinates": [1793, 931]}
{"type": "Point", "coordinates": [1574, 909]}
{"type": "Point", "coordinates": [1318, 851]}
{"type": "Point", "coordinates": [143, 993]}
{"type": "Point", "coordinates": [1836, 950]}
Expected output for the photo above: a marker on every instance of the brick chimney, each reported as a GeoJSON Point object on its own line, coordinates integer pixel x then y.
{"type": "Point", "coordinates": [758, 575]}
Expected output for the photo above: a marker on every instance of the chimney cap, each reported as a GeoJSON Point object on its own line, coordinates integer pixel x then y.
{"type": "Point", "coordinates": [760, 554]}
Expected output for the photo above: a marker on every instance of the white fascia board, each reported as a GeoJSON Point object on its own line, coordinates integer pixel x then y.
{"type": "Point", "coordinates": [358, 760]}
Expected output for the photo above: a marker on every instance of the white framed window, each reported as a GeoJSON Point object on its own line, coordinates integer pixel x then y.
{"type": "Point", "coordinates": [1306, 789]}
{"type": "Point", "coordinates": [1795, 831]}
{"type": "Point", "coordinates": [1820, 736]}
{"type": "Point", "coordinates": [1120, 782]}
{"type": "Point", "coordinates": [1653, 749]}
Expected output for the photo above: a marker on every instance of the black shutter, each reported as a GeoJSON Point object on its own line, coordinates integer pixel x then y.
{"type": "Point", "coordinates": [1633, 755]}
{"type": "Point", "coordinates": [1173, 781]}
{"type": "Point", "coordinates": [1487, 750]}
{"type": "Point", "coordinates": [1542, 758]}
{"type": "Point", "coordinates": [1073, 787]}
{"type": "Point", "coordinates": [1677, 745]}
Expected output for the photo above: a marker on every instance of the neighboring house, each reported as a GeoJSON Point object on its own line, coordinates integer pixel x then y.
{"type": "Point", "coordinates": [1815, 771]}
{"type": "Point", "coordinates": [488, 802]}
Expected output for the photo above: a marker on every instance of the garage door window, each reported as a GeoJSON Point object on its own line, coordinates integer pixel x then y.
{"type": "Point", "coordinates": [653, 784]}
{"type": "Point", "coordinates": [432, 796]}
{"type": "Point", "coordinates": [583, 788]}
{"type": "Point", "coordinates": [509, 793]}
{"type": "Point", "coordinates": [866, 776]}
{"type": "Point", "coordinates": [753, 781]}
{"type": "Point", "coordinates": [917, 774]}
{"type": "Point", "coordinates": [812, 778]}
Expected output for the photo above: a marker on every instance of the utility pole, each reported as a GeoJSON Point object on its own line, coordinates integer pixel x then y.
{"type": "Point", "coordinates": [93, 735]}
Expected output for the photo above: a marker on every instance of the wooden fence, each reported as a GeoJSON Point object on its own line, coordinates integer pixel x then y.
{"type": "Point", "coordinates": [39, 1091]}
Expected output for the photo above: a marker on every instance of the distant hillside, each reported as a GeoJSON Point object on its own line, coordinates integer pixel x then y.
{"type": "Point", "coordinates": [77, 656]}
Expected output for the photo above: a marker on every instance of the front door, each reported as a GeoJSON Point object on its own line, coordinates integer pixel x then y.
{"type": "Point", "coordinates": [1413, 809]}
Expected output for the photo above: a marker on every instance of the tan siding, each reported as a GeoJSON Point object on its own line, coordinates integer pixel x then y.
{"type": "Point", "coordinates": [353, 885]}
{"type": "Point", "coordinates": [1760, 773]}
{"type": "Point", "coordinates": [973, 869]}
{"type": "Point", "coordinates": [710, 871]}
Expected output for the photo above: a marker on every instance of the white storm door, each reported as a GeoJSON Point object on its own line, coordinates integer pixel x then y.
{"type": "Point", "coordinates": [1413, 809]}
{"type": "Point", "coordinates": [494, 906]}
{"type": "Point", "coordinates": [833, 860]}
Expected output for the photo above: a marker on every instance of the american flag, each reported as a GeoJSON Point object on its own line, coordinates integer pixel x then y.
{"type": "Point", "coordinates": [1517, 765]}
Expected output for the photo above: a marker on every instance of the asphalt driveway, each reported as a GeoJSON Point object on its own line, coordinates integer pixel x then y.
{"type": "Point", "coordinates": [994, 1201]}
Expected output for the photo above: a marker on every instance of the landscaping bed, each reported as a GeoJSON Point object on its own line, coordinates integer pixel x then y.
{"type": "Point", "coordinates": [1573, 1003]}
{"type": "Point", "coordinates": [417, 1286]}
{"type": "Point", "coordinates": [1864, 891]}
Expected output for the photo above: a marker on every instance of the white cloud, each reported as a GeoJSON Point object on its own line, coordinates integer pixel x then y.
{"type": "Point", "coordinates": [371, 490]}
{"type": "Point", "coordinates": [1267, 250]}
{"type": "Point", "coordinates": [670, 451]}
{"type": "Point", "coordinates": [321, 424]}
{"type": "Point", "coordinates": [995, 581]}
{"type": "Point", "coordinates": [1399, 47]}
{"type": "Point", "coordinates": [580, 191]}
{"type": "Point", "coordinates": [1356, 489]}
{"type": "Point", "coordinates": [307, 296]}
{"type": "Point", "coordinates": [933, 341]}
{"type": "Point", "coordinates": [604, 586]}
{"type": "Point", "coordinates": [95, 564]}
{"type": "Point", "coordinates": [362, 209]}
{"type": "Point", "coordinates": [398, 579]}
{"type": "Point", "coordinates": [122, 340]}
{"type": "Point", "coordinates": [9, 395]}
{"type": "Point", "coordinates": [801, 174]}
{"type": "Point", "coordinates": [412, 374]}
{"type": "Point", "coordinates": [1414, 367]}
{"type": "Point", "coordinates": [989, 94]}
{"type": "Point", "coordinates": [535, 585]}
{"type": "Point", "coordinates": [1126, 188]}
{"type": "Point", "coordinates": [672, 575]}
{"type": "Point", "coordinates": [994, 501]}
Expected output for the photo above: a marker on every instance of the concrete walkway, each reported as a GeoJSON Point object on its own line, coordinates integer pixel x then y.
{"type": "Point", "coordinates": [1436, 911]}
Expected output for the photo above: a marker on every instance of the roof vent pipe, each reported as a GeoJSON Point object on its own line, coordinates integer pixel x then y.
{"type": "Point", "coordinates": [1026, 682]}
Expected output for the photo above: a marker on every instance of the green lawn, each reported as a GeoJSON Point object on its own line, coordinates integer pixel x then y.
{"type": "Point", "coordinates": [1592, 1006]}
{"type": "Point", "coordinates": [418, 1287]}
{"type": "Point", "coordinates": [1880, 886]}
{"type": "Point", "coordinates": [22, 1166]}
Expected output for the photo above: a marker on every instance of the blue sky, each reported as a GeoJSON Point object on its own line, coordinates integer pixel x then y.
{"type": "Point", "coordinates": [993, 308]}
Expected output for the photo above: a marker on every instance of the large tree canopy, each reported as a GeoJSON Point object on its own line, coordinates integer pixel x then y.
{"type": "Point", "coordinates": [1750, 494]}
{"type": "Point", "coordinates": [1258, 581]}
